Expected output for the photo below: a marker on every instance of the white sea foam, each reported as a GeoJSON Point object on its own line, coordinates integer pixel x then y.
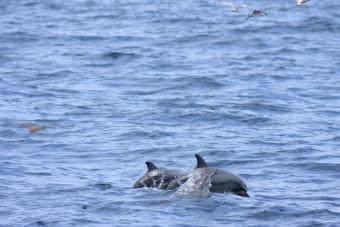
{"type": "Point", "coordinates": [198, 183]}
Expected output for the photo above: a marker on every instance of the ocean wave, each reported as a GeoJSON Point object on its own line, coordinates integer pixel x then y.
{"type": "Point", "coordinates": [145, 134]}
{"type": "Point", "coordinates": [199, 82]}
{"type": "Point", "coordinates": [118, 55]}
{"type": "Point", "coordinates": [120, 82]}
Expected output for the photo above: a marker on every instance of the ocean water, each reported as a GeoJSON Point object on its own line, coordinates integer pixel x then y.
{"type": "Point", "coordinates": [120, 82]}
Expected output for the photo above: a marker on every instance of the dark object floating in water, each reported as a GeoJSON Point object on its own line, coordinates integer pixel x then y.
{"type": "Point", "coordinates": [103, 186]}
{"type": "Point", "coordinates": [33, 127]}
{"type": "Point", "coordinates": [118, 55]}
{"type": "Point", "coordinates": [41, 223]}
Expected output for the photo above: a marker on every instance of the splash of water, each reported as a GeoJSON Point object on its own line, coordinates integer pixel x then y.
{"type": "Point", "coordinates": [198, 183]}
{"type": "Point", "coordinates": [160, 182]}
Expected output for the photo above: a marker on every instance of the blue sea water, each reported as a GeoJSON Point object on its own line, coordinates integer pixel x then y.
{"type": "Point", "coordinates": [120, 82]}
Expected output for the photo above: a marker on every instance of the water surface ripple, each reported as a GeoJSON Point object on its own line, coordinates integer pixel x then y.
{"type": "Point", "coordinates": [121, 82]}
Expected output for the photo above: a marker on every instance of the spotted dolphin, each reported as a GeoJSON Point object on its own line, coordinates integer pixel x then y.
{"type": "Point", "coordinates": [223, 181]}
{"type": "Point", "coordinates": [159, 178]}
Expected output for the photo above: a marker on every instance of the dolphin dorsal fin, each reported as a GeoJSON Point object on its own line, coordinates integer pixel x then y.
{"type": "Point", "coordinates": [200, 162]}
{"type": "Point", "coordinates": [150, 166]}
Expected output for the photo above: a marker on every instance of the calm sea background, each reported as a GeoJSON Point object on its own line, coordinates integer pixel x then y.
{"type": "Point", "coordinates": [122, 82]}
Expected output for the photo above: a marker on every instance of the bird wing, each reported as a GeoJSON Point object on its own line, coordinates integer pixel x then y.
{"type": "Point", "coordinates": [247, 18]}
{"type": "Point", "coordinates": [229, 4]}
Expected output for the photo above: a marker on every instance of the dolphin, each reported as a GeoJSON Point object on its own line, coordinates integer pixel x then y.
{"type": "Point", "coordinates": [178, 181]}
{"type": "Point", "coordinates": [159, 178]}
{"type": "Point", "coordinates": [223, 181]}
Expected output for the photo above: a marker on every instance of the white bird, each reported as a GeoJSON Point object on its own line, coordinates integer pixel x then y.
{"type": "Point", "coordinates": [234, 8]}
{"type": "Point", "coordinates": [301, 2]}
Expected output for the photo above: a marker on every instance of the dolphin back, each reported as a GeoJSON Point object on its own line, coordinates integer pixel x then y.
{"type": "Point", "coordinates": [223, 181]}
{"type": "Point", "coordinates": [158, 178]}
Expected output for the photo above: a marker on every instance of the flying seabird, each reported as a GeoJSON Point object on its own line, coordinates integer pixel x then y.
{"type": "Point", "coordinates": [234, 8]}
{"type": "Point", "coordinates": [302, 2]}
{"type": "Point", "coordinates": [256, 13]}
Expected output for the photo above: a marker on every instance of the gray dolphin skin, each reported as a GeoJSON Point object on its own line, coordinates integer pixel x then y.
{"type": "Point", "coordinates": [159, 178]}
{"type": "Point", "coordinates": [178, 181]}
{"type": "Point", "coordinates": [223, 181]}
